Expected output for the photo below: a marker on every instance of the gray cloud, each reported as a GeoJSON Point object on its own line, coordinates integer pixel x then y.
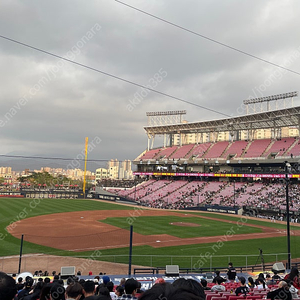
{"type": "Point", "coordinates": [76, 102]}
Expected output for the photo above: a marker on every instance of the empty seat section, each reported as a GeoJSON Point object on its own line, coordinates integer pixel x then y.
{"type": "Point", "coordinates": [280, 146]}
{"type": "Point", "coordinates": [182, 151]}
{"type": "Point", "coordinates": [216, 150]}
{"type": "Point", "coordinates": [200, 149]}
{"type": "Point", "coordinates": [235, 149]}
{"type": "Point", "coordinates": [150, 154]}
{"type": "Point", "coordinates": [166, 152]}
{"type": "Point", "coordinates": [295, 150]}
{"type": "Point", "coordinates": [257, 148]}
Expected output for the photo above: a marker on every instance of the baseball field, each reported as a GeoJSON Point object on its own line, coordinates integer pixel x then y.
{"type": "Point", "coordinates": [99, 231]}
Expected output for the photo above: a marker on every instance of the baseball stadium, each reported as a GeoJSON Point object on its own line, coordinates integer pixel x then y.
{"type": "Point", "coordinates": [194, 206]}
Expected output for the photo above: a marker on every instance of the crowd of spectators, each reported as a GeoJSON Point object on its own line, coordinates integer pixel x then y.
{"type": "Point", "coordinates": [117, 183]}
{"type": "Point", "coordinates": [272, 287]}
{"type": "Point", "coordinates": [258, 195]}
{"type": "Point", "coordinates": [80, 289]}
{"type": "Point", "coordinates": [160, 203]}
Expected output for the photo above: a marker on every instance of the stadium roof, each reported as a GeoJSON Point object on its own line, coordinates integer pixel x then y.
{"type": "Point", "coordinates": [271, 119]}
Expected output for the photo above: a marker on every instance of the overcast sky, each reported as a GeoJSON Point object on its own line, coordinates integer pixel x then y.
{"type": "Point", "coordinates": [49, 106]}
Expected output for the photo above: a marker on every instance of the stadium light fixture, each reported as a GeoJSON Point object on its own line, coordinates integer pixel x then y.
{"type": "Point", "coordinates": [271, 98]}
{"type": "Point", "coordinates": [165, 113]}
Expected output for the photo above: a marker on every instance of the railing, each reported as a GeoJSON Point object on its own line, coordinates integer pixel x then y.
{"type": "Point", "coordinates": [201, 262]}
{"type": "Point", "coordinates": [187, 264]}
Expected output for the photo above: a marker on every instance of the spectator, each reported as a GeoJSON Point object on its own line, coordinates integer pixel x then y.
{"type": "Point", "coordinates": [74, 291]}
{"type": "Point", "coordinates": [261, 284]}
{"type": "Point", "coordinates": [130, 289]}
{"type": "Point", "coordinates": [20, 284]}
{"type": "Point", "coordinates": [283, 292]}
{"type": "Point", "coordinates": [122, 282]}
{"type": "Point", "coordinates": [276, 277]}
{"type": "Point", "coordinates": [231, 273]}
{"type": "Point", "coordinates": [242, 289]}
{"type": "Point", "coordinates": [168, 291]}
{"type": "Point", "coordinates": [190, 284]}
{"type": "Point", "coordinates": [103, 294]}
{"type": "Point", "coordinates": [57, 292]}
{"type": "Point", "coordinates": [105, 279]}
{"type": "Point", "coordinates": [293, 290]}
{"type": "Point", "coordinates": [157, 281]}
{"type": "Point", "coordinates": [269, 280]}
{"type": "Point", "coordinates": [8, 287]}
{"type": "Point", "coordinates": [251, 283]}
{"type": "Point", "coordinates": [260, 276]}
{"type": "Point", "coordinates": [204, 284]}
{"type": "Point", "coordinates": [110, 287]}
{"type": "Point", "coordinates": [218, 276]}
{"type": "Point", "coordinates": [119, 291]}
{"type": "Point", "coordinates": [293, 276]}
{"type": "Point", "coordinates": [35, 295]}
{"type": "Point", "coordinates": [45, 293]}
{"type": "Point", "coordinates": [27, 288]}
{"type": "Point", "coordinates": [218, 287]}
{"type": "Point", "coordinates": [89, 288]}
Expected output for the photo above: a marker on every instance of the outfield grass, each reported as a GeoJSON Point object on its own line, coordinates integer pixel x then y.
{"type": "Point", "coordinates": [150, 225]}
{"type": "Point", "coordinates": [11, 209]}
{"type": "Point", "coordinates": [239, 252]}
{"type": "Point", "coordinates": [249, 221]}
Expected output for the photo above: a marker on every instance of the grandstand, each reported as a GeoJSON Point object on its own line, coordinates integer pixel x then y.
{"type": "Point", "coordinates": [242, 171]}
{"type": "Point", "coordinates": [227, 168]}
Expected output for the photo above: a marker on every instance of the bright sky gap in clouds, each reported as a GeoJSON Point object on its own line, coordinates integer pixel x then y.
{"type": "Point", "coordinates": [56, 106]}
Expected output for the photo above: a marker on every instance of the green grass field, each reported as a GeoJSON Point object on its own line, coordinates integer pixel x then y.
{"type": "Point", "coordinates": [12, 210]}
{"type": "Point", "coordinates": [162, 224]}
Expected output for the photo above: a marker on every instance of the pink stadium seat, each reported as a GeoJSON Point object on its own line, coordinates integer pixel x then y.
{"type": "Point", "coordinates": [166, 152]}
{"type": "Point", "coordinates": [235, 149]}
{"type": "Point", "coordinates": [200, 149]}
{"type": "Point", "coordinates": [150, 154]}
{"type": "Point", "coordinates": [210, 296]}
{"type": "Point", "coordinates": [182, 151]}
{"type": "Point", "coordinates": [280, 146]}
{"type": "Point", "coordinates": [257, 148]}
{"type": "Point", "coordinates": [295, 150]}
{"type": "Point", "coordinates": [218, 298]}
{"type": "Point", "coordinates": [216, 150]}
{"type": "Point", "coordinates": [236, 297]}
